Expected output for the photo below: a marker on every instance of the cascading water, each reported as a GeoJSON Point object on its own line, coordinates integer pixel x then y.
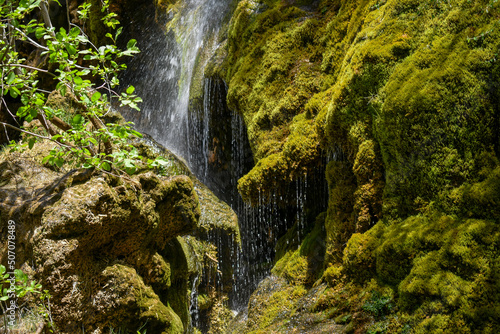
{"type": "Point", "coordinates": [163, 71]}
{"type": "Point", "coordinates": [213, 140]}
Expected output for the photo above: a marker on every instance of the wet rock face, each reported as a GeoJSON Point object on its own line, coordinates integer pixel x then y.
{"type": "Point", "coordinates": [95, 243]}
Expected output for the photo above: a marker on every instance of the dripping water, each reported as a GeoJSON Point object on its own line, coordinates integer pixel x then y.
{"type": "Point", "coordinates": [163, 71]}
{"type": "Point", "coordinates": [213, 140]}
{"type": "Point", "coordinates": [193, 307]}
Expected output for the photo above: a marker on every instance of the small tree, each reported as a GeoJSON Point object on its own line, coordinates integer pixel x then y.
{"type": "Point", "coordinates": [82, 138]}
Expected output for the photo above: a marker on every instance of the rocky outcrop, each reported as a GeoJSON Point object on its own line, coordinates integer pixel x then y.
{"type": "Point", "coordinates": [110, 250]}
{"type": "Point", "coordinates": [400, 99]}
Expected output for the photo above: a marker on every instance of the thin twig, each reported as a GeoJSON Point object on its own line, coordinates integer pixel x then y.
{"type": "Point", "coordinates": [29, 39]}
{"type": "Point", "coordinates": [67, 15]}
{"type": "Point", "coordinates": [103, 86]}
{"type": "Point", "coordinates": [28, 67]}
{"type": "Point", "coordinates": [40, 328]}
{"type": "Point", "coordinates": [35, 135]}
{"type": "Point", "coordinates": [74, 25]}
{"type": "Point", "coordinates": [10, 113]}
{"type": "Point", "coordinates": [6, 134]}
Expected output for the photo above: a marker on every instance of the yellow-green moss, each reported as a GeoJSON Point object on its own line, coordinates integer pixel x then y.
{"type": "Point", "coordinates": [403, 97]}
{"type": "Point", "coordinates": [292, 266]}
{"type": "Point", "coordinates": [158, 317]}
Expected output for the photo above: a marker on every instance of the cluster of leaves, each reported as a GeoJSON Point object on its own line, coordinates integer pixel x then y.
{"type": "Point", "coordinates": [378, 305]}
{"type": "Point", "coordinates": [22, 286]}
{"type": "Point", "coordinates": [19, 288]}
{"type": "Point", "coordinates": [83, 139]}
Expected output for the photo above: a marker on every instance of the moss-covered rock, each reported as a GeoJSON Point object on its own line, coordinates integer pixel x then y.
{"type": "Point", "coordinates": [401, 97]}
{"type": "Point", "coordinates": [127, 295]}
{"type": "Point", "coordinates": [109, 250]}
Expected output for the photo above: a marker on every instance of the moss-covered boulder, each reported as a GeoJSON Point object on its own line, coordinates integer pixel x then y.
{"type": "Point", "coordinates": [400, 98]}
{"type": "Point", "coordinates": [110, 250]}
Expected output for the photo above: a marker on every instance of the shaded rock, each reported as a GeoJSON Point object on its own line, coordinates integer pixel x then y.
{"type": "Point", "coordinates": [104, 247]}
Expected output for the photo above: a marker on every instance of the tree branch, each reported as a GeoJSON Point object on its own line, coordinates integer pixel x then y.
{"type": "Point", "coordinates": [108, 148]}
{"type": "Point", "coordinates": [8, 110]}
{"type": "Point", "coordinates": [46, 17]}
{"type": "Point", "coordinates": [28, 67]}
{"type": "Point", "coordinates": [41, 117]}
{"type": "Point", "coordinates": [34, 134]}
{"type": "Point", "coordinates": [60, 123]}
{"type": "Point", "coordinates": [29, 39]}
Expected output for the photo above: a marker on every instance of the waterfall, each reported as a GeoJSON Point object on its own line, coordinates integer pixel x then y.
{"type": "Point", "coordinates": [193, 308]}
{"type": "Point", "coordinates": [162, 73]}
{"type": "Point", "coordinates": [213, 140]}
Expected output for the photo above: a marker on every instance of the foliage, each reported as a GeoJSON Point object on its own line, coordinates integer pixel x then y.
{"type": "Point", "coordinates": [82, 138]}
{"type": "Point", "coordinates": [378, 305]}
{"type": "Point", "coordinates": [18, 287]}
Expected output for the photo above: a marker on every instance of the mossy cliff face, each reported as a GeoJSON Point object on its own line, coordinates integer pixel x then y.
{"type": "Point", "coordinates": [401, 98]}
{"type": "Point", "coordinates": [111, 252]}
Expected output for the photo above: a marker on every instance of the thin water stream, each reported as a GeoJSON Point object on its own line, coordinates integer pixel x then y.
{"type": "Point", "coordinates": [212, 139]}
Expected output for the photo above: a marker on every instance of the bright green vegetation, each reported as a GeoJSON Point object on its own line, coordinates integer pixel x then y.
{"type": "Point", "coordinates": [16, 289]}
{"type": "Point", "coordinates": [70, 60]}
{"type": "Point", "coordinates": [402, 97]}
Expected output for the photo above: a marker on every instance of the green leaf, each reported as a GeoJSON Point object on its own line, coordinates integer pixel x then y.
{"type": "Point", "coordinates": [39, 32]}
{"type": "Point", "coordinates": [118, 32]}
{"type": "Point", "coordinates": [63, 90]}
{"type": "Point", "coordinates": [20, 276]}
{"type": "Point", "coordinates": [2, 269]}
{"type": "Point", "coordinates": [131, 44]}
{"type": "Point", "coordinates": [106, 166]}
{"type": "Point", "coordinates": [25, 99]}
{"type": "Point", "coordinates": [14, 92]}
{"type": "Point", "coordinates": [130, 171]}
{"type": "Point", "coordinates": [95, 96]}
{"type": "Point", "coordinates": [10, 78]}
{"type": "Point", "coordinates": [71, 49]}
{"type": "Point", "coordinates": [77, 120]}
{"type": "Point", "coordinates": [31, 143]}
{"type": "Point", "coordinates": [130, 90]}
{"type": "Point", "coordinates": [4, 298]}
{"type": "Point", "coordinates": [74, 32]}
{"type": "Point", "coordinates": [59, 162]}
{"type": "Point", "coordinates": [161, 161]}
{"type": "Point", "coordinates": [77, 80]}
{"type": "Point", "coordinates": [136, 133]}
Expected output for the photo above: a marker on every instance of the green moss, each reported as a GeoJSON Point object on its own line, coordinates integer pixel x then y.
{"type": "Point", "coordinates": [402, 96]}
{"type": "Point", "coordinates": [275, 309]}
{"type": "Point", "coordinates": [359, 260]}
{"type": "Point", "coordinates": [340, 220]}
{"type": "Point", "coordinates": [142, 302]}
{"type": "Point", "coordinates": [301, 265]}
{"type": "Point", "coordinates": [431, 258]}
{"type": "Point", "coordinates": [292, 267]}
{"type": "Point", "coordinates": [332, 275]}
{"type": "Point", "coordinates": [220, 317]}
{"type": "Point", "coordinates": [300, 153]}
{"type": "Point", "coordinates": [177, 253]}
